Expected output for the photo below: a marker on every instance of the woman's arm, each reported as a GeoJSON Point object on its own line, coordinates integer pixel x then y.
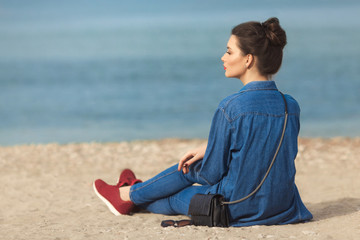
{"type": "Point", "coordinates": [215, 163]}
{"type": "Point", "coordinates": [215, 155]}
{"type": "Point", "coordinates": [190, 157]}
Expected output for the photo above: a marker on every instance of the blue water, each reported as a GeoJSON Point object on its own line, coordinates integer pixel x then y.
{"type": "Point", "coordinates": [80, 71]}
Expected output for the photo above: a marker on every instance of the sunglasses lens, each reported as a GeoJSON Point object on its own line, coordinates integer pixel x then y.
{"type": "Point", "coordinates": [183, 223]}
{"type": "Point", "coordinates": [168, 223]}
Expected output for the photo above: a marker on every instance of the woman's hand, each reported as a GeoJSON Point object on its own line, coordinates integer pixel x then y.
{"type": "Point", "coordinates": [190, 157]}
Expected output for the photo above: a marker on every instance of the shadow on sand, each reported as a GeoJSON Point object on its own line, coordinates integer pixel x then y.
{"type": "Point", "coordinates": [339, 207]}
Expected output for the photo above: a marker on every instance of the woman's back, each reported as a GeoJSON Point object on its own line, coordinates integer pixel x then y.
{"type": "Point", "coordinates": [256, 117]}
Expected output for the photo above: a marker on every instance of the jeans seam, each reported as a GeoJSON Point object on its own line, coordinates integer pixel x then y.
{"type": "Point", "coordinates": [155, 180]}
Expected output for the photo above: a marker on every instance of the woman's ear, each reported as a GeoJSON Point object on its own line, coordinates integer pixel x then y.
{"type": "Point", "coordinates": [250, 60]}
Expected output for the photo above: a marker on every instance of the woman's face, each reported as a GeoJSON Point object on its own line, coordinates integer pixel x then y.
{"type": "Point", "coordinates": [234, 60]}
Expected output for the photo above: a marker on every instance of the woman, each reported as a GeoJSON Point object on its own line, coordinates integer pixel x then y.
{"type": "Point", "coordinates": [243, 138]}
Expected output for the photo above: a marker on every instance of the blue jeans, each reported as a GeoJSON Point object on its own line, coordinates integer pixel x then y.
{"type": "Point", "coordinates": [169, 192]}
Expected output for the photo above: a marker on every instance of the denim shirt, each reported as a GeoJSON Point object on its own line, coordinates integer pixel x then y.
{"type": "Point", "coordinates": [245, 132]}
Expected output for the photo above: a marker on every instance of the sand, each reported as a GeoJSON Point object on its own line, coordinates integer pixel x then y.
{"type": "Point", "coordinates": [46, 191]}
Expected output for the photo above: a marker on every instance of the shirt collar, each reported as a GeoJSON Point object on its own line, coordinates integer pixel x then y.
{"type": "Point", "coordinates": [259, 85]}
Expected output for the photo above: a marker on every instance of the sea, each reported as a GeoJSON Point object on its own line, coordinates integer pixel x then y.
{"type": "Point", "coordinates": [114, 70]}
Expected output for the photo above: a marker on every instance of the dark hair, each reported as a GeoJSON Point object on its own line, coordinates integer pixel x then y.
{"type": "Point", "coordinates": [264, 40]}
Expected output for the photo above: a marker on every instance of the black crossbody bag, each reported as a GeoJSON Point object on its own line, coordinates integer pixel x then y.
{"type": "Point", "coordinates": [210, 209]}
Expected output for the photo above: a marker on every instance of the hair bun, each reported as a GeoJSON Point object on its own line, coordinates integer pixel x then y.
{"type": "Point", "coordinates": [274, 32]}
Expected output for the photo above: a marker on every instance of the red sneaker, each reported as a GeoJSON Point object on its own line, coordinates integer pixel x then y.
{"type": "Point", "coordinates": [127, 178]}
{"type": "Point", "coordinates": [110, 195]}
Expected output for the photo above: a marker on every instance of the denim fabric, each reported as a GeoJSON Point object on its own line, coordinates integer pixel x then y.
{"type": "Point", "coordinates": [244, 135]}
{"type": "Point", "coordinates": [169, 192]}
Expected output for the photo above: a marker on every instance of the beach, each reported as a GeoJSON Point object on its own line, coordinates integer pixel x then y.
{"type": "Point", "coordinates": [46, 191]}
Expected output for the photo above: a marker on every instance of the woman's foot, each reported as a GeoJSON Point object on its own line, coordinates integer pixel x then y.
{"type": "Point", "coordinates": [117, 200]}
{"type": "Point", "coordinates": [110, 195]}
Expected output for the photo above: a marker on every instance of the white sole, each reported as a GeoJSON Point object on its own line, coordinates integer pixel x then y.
{"type": "Point", "coordinates": [108, 204]}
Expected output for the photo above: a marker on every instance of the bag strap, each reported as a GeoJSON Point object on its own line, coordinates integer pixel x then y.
{"type": "Point", "coordinates": [273, 160]}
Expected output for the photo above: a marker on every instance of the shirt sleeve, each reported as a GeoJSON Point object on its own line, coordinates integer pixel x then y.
{"type": "Point", "coordinates": [215, 163]}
